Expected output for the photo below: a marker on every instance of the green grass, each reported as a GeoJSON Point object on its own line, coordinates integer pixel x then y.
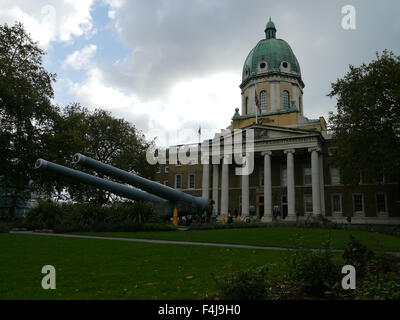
{"type": "Point", "coordinates": [103, 269]}
{"type": "Point", "coordinates": [269, 237]}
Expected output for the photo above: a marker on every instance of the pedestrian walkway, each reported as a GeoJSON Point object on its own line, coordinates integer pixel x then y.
{"type": "Point", "coordinates": [190, 243]}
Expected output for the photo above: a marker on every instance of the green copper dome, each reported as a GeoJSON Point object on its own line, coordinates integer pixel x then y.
{"type": "Point", "coordinates": [271, 55]}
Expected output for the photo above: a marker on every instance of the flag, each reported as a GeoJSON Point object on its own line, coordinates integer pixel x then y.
{"type": "Point", "coordinates": [199, 134]}
{"type": "Point", "coordinates": [257, 102]}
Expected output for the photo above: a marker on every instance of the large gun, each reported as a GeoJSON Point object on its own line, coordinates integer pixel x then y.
{"type": "Point", "coordinates": [153, 187]}
{"type": "Point", "coordinates": [164, 198]}
{"type": "Point", "coordinates": [113, 187]}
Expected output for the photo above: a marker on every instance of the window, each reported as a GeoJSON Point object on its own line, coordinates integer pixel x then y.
{"type": "Point", "coordinates": [263, 99]}
{"type": "Point", "coordinates": [307, 176]}
{"type": "Point", "coordinates": [381, 203]}
{"type": "Point", "coordinates": [178, 181]}
{"type": "Point", "coordinates": [284, 177]}
{"type": "Point", "coordinates": [335, 176]}
{"type": "Point", "coordinates": [308, 203]}
{"type": "Point", "coordinates": [246, 105]}
{"type": "Point", "coordinates": [285, 65]}
{"type": "Point", "coordinates": [286, 99]}
{"type": "Point", "coordinates": [337, 203]}
{"type": "Point", "coordinates": [360, 178]}
{"type": "Point", "coordinates": [166, 170]}
{"type": "Point", "coordinates": [358, 202]}
{"type": "Point", "coordinates": [158, 170]}
{"type": "Point", "coordinates": [191, 181]}
{"type": "Point", "coordinates": [166, 183]}
{"type": "Point", "coordinates": [178, 163]}
{"type": "Point", "coordinates": [262, 65]}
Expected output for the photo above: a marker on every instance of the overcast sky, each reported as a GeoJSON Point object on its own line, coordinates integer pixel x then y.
{"type": "Point", "coordinates": [170, 66]}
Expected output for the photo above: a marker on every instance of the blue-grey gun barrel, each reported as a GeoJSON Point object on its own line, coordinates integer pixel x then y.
{"type": "Point", "coordinates": [113, 187]}
{"type": "Point", "coordinates": [142, 183]}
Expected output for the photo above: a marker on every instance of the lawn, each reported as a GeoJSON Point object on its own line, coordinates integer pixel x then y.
{"type": "Point", "coordinates": [272, 236]}
{"type": "Point", "coordinates": [103, 269]}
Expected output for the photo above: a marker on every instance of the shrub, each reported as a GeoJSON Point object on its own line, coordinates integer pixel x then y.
{"type": "Point", "coordinates": [89, 217]}
{"type": "Point", "coordinates": [4, 227]}
{"type": "Point", "coordinates": [249, 284]}
{"type": "Point", "coordinates": [357, 255]}
{"type": "Point", "coordinates": [314, 271]}
{"type": "Point", "coordinates": [384, 287]}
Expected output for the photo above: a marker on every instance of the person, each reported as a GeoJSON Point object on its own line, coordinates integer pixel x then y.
{"type": "Point", "coordinates": [210, 211]}
{"type": "Point", "coordinates": [230, 218]}
{"type": "Point", "coordinates": [236, 213]}
{"type": "Point", "coordinates": [276, 212]}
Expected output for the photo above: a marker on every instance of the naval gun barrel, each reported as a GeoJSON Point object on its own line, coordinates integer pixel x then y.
{"type": "Point", "coordinates": [147, 185]}
{"type": "Point", "coordinates": [113, 187]}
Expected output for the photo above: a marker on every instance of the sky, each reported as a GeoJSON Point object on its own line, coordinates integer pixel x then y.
{"type": "Point", "coordinates": [172, 66]}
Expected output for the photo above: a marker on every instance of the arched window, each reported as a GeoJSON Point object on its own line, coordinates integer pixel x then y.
{"type": "Point", "coordinates": [263, 100]}
{"type": "Point", "coordinates": [246, 105]}
{"type": "Point", "coordinates": [286, 99]}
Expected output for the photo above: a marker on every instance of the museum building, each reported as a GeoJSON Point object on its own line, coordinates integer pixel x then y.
{"type": "Point", "coordinates": [292, 173]}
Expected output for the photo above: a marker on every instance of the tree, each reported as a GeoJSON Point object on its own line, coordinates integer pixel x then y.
{"type": "Point", "coordinates": [366, 128]}
{"type": "Point", "coordinates": [26, 112]}
{"type": "Point", "coordinates": [98, 135]}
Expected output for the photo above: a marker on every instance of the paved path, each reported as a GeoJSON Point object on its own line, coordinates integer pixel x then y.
{"type": "Point", "coordinates": [190, 243]}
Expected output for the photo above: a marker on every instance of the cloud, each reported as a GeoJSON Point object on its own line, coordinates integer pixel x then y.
{"type": "Point", "coordinates": [50, 21]}
{"type": "Point", "coordinates": [80, 59]}
{"type": "Point", "coordinates": [172, 120]}
{"type": "Point", "coordinates": [184, 61]}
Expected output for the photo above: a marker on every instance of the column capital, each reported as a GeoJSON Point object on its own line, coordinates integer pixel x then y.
{"type": "Point", "coordinates": [266, 153]}
{"type": "Point", "coordinates": [318, 149]}
{"type": "Point", "coordinates": [227, 159]}
{"type": "Point", "coordinates": [205, 159]}
{"type": "Point", "coordinates": [289, 151]}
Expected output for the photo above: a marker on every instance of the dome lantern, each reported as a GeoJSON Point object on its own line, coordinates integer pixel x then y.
{"type": "Point", "coordinates": [270, 30]}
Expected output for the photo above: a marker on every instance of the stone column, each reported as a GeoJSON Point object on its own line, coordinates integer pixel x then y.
{"type": "Point", "coordinates": [291, 197]}
{"type": "Point", "coordinates": [215, 187]}
{"type": "Point", "coordinates": [225, 187]}
{"type": "Point", "coordinates": [322, 183]}
{"type": "Point", "coordinates": [316, 195]}
{"type": "Point", "coordinates": [245, 194]}
{"type": "Point", "coordinates": [267, 186]}
{"type": "Point", "coordinates": [205, 193]}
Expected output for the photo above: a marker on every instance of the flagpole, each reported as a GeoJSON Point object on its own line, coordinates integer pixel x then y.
{"type": "Point", "coordinates": [199, 134]}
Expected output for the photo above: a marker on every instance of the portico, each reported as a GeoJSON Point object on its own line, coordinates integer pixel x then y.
{"type": "Point", "coordinates": [271, 145]}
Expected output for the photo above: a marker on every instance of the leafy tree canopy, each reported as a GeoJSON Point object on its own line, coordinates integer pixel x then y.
{"type": "Point", "coordinates": [99, 135]}
{"type": "Point", "coordinates": [26, 112]}
{"type": "Point", "coordinates": [366, 127]}
{"type": "Point", "coordinates": [32, 127]}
